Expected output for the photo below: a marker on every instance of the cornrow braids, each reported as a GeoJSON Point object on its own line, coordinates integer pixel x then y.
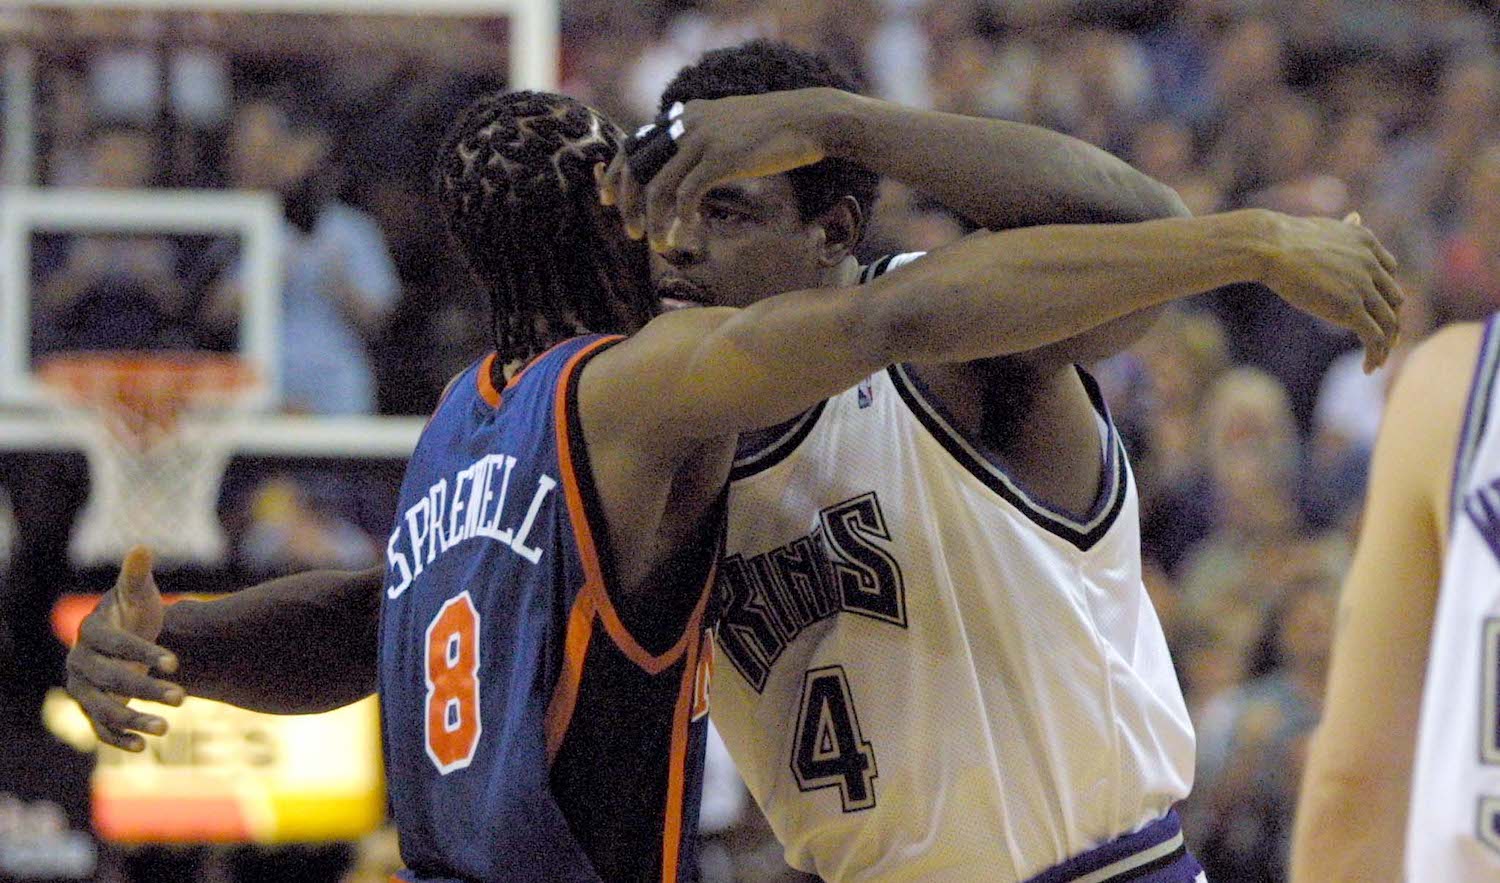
{"type": "Point", "coordinates": [516, 183]}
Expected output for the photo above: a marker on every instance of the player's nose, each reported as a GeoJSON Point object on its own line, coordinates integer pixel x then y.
{"type": "Point", "coordinates": [685, 242]}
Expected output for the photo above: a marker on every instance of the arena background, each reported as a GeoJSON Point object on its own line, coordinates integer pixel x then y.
{"type": "Point", "coordinates": [249, 179]}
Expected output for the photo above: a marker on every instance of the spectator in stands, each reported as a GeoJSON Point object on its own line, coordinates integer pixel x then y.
{"type": "Point", "coordinates": [1292, 179]}
{"type": "Point", "coordinates": [115, 291]}
{"type": "Point", "coordinates": [1163, 149]}
{"type": "Point", "coordinates": [1248, 772]}
{"type": "Point", "coordinates": [1468, 283]}
{"type": "Point", "coordinates": [1429, 168]}
{"type": "Point", "coordinates": [339, 282]}
{"type": "Point", "coordinates": [289, 533]}
{"type": "Point", "coordinates": [1179, 361]}
{"type": "Point", "coordinates": [1259, 540]}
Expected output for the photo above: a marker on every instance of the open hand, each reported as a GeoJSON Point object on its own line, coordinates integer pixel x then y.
{"type": "Point", "coordinates": [115, 655]}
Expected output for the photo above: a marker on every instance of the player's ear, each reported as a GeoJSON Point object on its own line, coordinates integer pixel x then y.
{"type": "Point", "coordinates": [843, 225]}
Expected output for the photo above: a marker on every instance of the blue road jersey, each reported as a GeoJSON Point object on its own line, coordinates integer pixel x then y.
{"type": "Point", "coordinates": [536, 726]}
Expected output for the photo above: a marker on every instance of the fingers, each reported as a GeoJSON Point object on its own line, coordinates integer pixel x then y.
{"type": "Point", "coordinates": [135, 572]}
{"type": "Point", "coordinates": [121, 678]}
{"type": "Point", "coordinates": [1387, 261]}
{"type": "Point", "coordinates": [619, 189]}
{"type": "Point", "coordinates": [138, 602]}
{"type": "Point", "coordinates": [1385, 317]}
{"type": "Point", "coordinates": [113, 720]}
{"type": "Point", "coordinates": [663, 208]}
{"type": "Point", "coordinates": [98, 635]}
{"type": "Point", "coordinates": [1376, 348]}
{"type": "Point", "coordinates": [1390, 289]}
{"type": "Point", "coordinates": [694, 186]}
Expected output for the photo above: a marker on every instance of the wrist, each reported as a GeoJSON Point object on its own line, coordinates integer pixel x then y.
{"type": "Point", "coordinates": [177, 626]}
{"type": "Point", "coordinates": [842, 122]}
{"type": "Point", "coordinates": [1252, 238]}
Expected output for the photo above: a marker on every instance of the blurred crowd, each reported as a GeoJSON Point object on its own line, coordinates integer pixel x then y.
{"type": "Point", "coordinates": [1250, 426]}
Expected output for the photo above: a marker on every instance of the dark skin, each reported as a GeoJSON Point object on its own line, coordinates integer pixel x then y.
{"type": "Point", "coordinates": [737, 240]}
{"type": "Point", "coordinates": [660, 411]}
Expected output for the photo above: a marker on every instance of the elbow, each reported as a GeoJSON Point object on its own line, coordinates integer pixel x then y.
{"type": "Point", "coordinates": [1172, 204]}
{"type": "Point", "coordinates": [1161, 201]}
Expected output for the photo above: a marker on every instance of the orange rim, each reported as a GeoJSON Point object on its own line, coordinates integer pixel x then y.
{"type": "Point", "coordinates": [92, 376]}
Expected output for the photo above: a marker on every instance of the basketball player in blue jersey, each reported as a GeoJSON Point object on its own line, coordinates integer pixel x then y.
{"type": "Point", "coordinates": [543, 607]}
{"type": "Point", "coordinates": [1403, 773]}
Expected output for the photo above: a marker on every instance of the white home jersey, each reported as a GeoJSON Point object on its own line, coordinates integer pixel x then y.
{"type": "Point", "coordinates": [923, 674]}
{"type": "Point", "coordinates": [1453, 829]}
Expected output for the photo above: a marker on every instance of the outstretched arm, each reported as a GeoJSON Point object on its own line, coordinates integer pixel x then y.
{"type": "Point", "coordinates": [1351, 818]}
{"type": "Point", "coordinates": [709, 372]}
{"type": "Point", "coordinates": [322, 656]}
{"type": "Point", "coordinates": [998, 174]}
{"type": "Point", "coordinates": [326, 623]}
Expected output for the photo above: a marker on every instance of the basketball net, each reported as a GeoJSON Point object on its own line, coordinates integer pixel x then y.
{"type": "Point", "coordinates": [159, 429]}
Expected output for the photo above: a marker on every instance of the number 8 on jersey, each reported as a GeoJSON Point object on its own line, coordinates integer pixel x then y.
{"type": "Point", "coordinates": [452, 664]}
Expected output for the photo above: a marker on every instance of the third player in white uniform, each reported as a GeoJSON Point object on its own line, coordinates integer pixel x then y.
{"type": "Point", "coordinates": [1404, 771]}
{"type": "Point", "coordinates": [922, 671]}
{"type": "Point", "coordinates": [1454, 828]}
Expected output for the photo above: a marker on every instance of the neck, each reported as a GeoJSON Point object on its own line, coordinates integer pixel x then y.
{"type": "Point", "coordinates": [508, 365]}
{"type": "Point", "coordinates": [845, 273]}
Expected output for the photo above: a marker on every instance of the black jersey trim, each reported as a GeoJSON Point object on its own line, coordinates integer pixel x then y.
{"type": "Point", "coordinates": [1081, 532]}
{"type": "Point", "coordinates": [757, 456]}
{"type": "Point", "coordinates": [655, 643]}
{"type": "Point", "coordinates": [1476, 414]}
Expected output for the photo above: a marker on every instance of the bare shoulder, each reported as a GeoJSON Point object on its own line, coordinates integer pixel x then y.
{"type": "Point", "coordinates": [1425, 414]}
{"type": "Point", "coordinates": [628, 391]}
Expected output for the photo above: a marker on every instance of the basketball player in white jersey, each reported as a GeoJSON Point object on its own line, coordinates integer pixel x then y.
{"type": "Point", "coordinates": [1404, 769]}
{"type": "Point", "coordinates": [936, 659]}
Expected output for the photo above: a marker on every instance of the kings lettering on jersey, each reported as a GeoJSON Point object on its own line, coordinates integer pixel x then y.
{"type": "Point", "coordinates": [844, 566]}
{"type": "Point", "coordinates": [474, 506]}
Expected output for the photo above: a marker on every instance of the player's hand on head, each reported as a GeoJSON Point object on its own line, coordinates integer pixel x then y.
{"type": "Point", "coordinates": [618, 188]}
{"type": "Point", "coordinates": [1339, 272]}
{"type": "Point", "coordinates": [694, 147]}
{"type": "Point", "coordinates": [115, 657]}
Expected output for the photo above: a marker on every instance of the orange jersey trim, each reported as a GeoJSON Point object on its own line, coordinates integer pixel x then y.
{"type": "Point", "coordinates": [581, 617]}
{"type": "Point", "coordinates": [671, 837]}
{"type": "Point", "coordinates": [565, 693]}
{"type": "Point", "coordinates": [486, 382]}
{"type": "Point", "coordinates": [593, 602]}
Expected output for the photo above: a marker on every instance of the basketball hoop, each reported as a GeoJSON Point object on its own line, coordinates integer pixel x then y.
{"type": "Point", "coordinates": [159, 428]}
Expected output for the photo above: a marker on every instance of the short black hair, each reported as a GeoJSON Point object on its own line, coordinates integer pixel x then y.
{"type": "Point", "coordinates": [761, 66]}
{"type": "Point", "coordinates": [516, 181]}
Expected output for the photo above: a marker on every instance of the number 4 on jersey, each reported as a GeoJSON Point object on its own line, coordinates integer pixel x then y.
{"type": "Point", "coordinates": [828, 749]}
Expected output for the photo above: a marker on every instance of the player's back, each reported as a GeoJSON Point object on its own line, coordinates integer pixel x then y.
{"type": "Point", "coordinates": [1453, 829]}
{"type": "Point", "coordinates": [529, 734]}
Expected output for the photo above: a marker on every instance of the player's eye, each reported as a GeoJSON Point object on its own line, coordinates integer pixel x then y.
{"type": "Point", "coordinates": [722, 214]}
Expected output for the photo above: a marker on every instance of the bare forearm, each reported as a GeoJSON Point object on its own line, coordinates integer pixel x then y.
{"type": "Point", "coordinates": [294, 645]}
{"type": "Point", "coordinates": [998, 174]}
{"type": "Point", "coordinates": [1003, 293]}
{"type": "Point", "coordinates": [1349, 832]}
